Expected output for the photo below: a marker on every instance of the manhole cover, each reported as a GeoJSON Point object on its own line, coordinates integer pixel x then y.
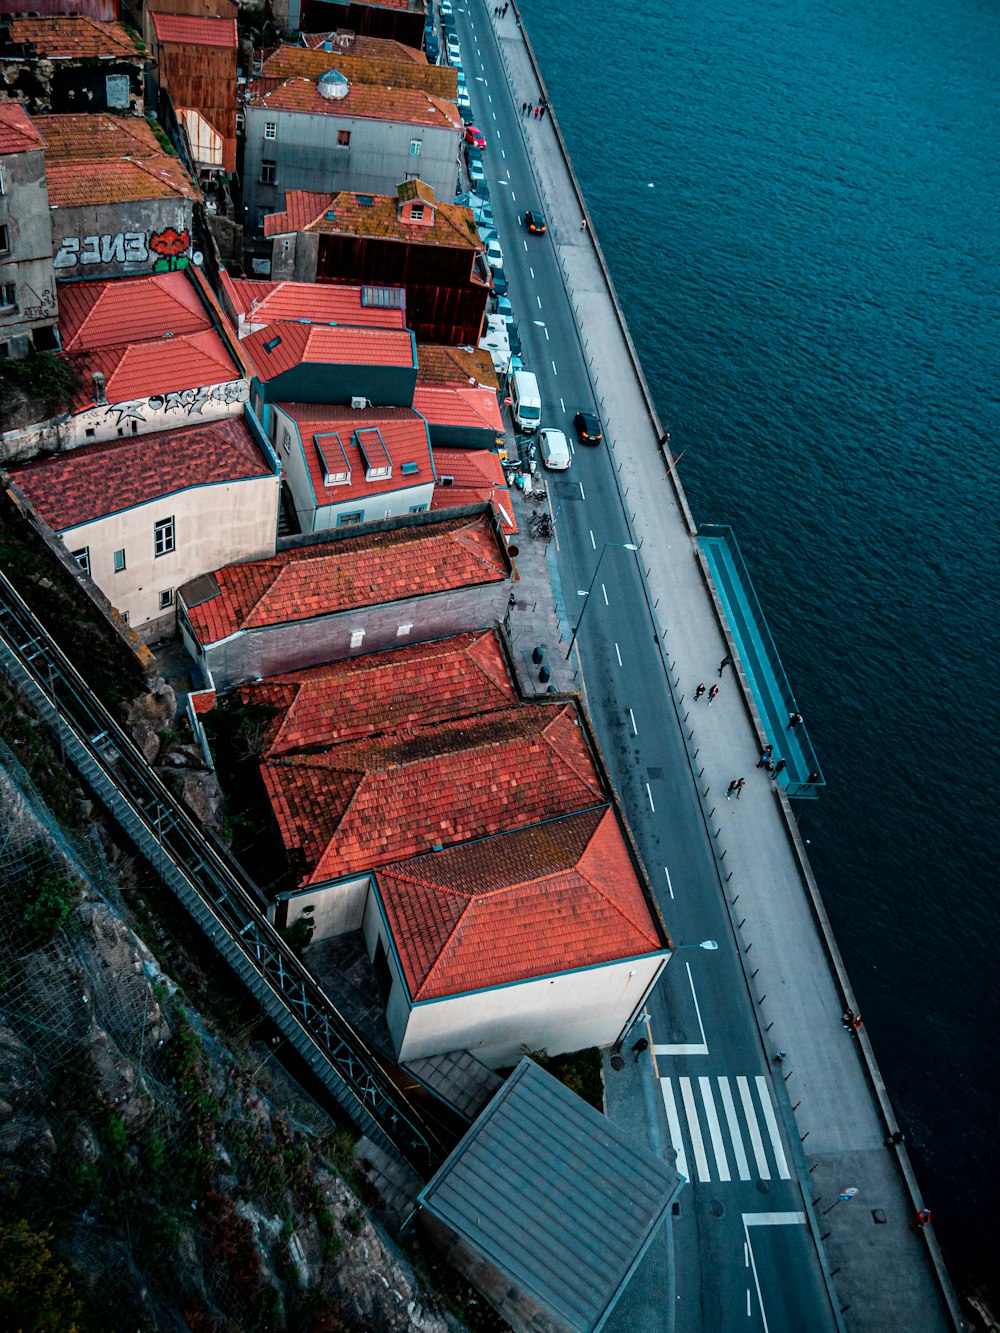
{"type": "Point", "coordinates": [763, 1187]}
{"type": "Point", "coordinates": [716, 1208]}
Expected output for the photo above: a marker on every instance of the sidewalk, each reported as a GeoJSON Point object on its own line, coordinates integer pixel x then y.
{"type": "Point", "coordinates": [835, 1105]}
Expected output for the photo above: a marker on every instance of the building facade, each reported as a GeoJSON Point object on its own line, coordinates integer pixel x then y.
{"type": "Point", "coordinates": [72, 63]}
{"type": "Point", "coordinates": [28, 306]}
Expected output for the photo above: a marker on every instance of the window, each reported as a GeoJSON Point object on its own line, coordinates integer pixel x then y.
{"type": "Point", "coordinates": [3, 181]}
{"type": "Point", "coordinates": [268, 171]}
{"type": "Point", "coordinates": [166, 599]}
{"type": "Point", "coordinates": [90, 432]}
{"type": "Point", "coordinates": [163, 537]}
{"type": "Point", "coordinates": [403, 630]}
{"type": "Point", "coordinates": [343, 138]}
{"type": "Point", "coordinates": [417, 509]}
{"type": "Point", "coordinates": [416, 212]}
{"type": "Point", "coordinates": [82, 558]}
{"type": "Point", "coordinates": [124, 616]}
{"type": "Point", "coordinates": [357, 638]}
{"type": "Point", "coordinates": [415, 147]}
{"type": "Point", "coordinates": [119, 560]}
{"type": "Point", "coordinates": [8, 296]}
{"type": "Point", "coordinates": [348, 520]}
{"type": "Point", "coordinates": [270, 129]}
{"type": "Point", "coordinates": [4, 238]}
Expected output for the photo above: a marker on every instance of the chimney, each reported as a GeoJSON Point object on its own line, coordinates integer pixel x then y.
{"type": "Point", "coordinates": [100, 396]}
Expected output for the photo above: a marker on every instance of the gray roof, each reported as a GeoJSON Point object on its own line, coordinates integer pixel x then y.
{"type": "Point", "coordinates": [554, 1195]}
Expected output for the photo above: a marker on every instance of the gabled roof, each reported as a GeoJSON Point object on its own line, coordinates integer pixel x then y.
{"type": "Point", "coordinates": [285, 344]}
{"type": "Point", "coordinates": [134, 166]}
{"type": "Point", "coordinates": [189, 31]}
{"type": "Point", "coordinates": [161, 366]}
{"type": "Point", "coordinates": [476, 477]}
{"type": "Point", "coordinates": [449, 405]}
{"type": "Point", "coordinates": [357, 44]}
{"type": "Point", "coordinates": [262, 303]}
{"type": "Point", "coordinates": [415, 189]}
{"type": "Point", "coordinates": [383, 70]}
{"type": "Point", "coordinates": [440, 364]}
{"type": "Point", "coordinates": [98, 480]}
{"type": "Point", "coordinates": [121, 310]}
{"type": "Point", "coordinates": [369, 570]}
{"type": "Point", "coordinates": [555, 897]}
{"type": "Point", "coordinates": [401, 106]}
{"type": "Point", "coordinates": [18, 133]}
{"type": "Point", "coordinates": [350, 214]}
{"type": "Point", "coordinates": [404, 433]}
{"type": "Point", "coordinates": [74, 37]}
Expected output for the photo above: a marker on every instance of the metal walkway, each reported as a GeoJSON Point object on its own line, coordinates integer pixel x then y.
{"type": "Point", "coordinates": [378, 1097]}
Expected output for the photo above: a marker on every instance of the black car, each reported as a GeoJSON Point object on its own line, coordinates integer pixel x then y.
{"type": "Point", "coordinates": [513, 339]}
{"type": "Point", "coordinates": [588, 428]}
{"type": "Point", "coordinates": [534, 220]}
{"type": "Point", "coordinates": [499, 282]}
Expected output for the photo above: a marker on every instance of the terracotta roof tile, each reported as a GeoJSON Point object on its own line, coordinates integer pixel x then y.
{"type": "Point", "coordinates": [135, 166]}
{"type": "Point", "coordinates": [265, 302]}
{"type": "Point", "coordinates": [440, 364]}
{"type": "Point", "coordinates": [404, 433]}
{"type": "Point", "coordinates": [74, 37]}
{"type": "Point", "coordinates": [186, 30]}
{"type": "Point", "coordinates": [345, 214]}
{"type": "Point", "coordinates": [383, 71]}
{"type": "Point", "coordinates": [450, 405]}
{"type": "Point", "coordinates": [558, 896]}
{"type": "Point", "coordinates": [404, 106]}
{"type": "Point", "coordinates": [18, 133]}
{"type": "Point", "coordinates": [121, 310]}
{"type": "Point", "coordinates": [156, 366]}
{"type": "Point", "coordinates": [378, 48]}
{"type": "Point", "coordinates": [285, 344]}
{"type": "Point", "coordinates": [352, 572]}
{"type": "Point", "coordinates": [90, 483]}
{"type": "Point", "coordinates": [301, 208]}
{"type": "Point", "coordinates": [476, 478]}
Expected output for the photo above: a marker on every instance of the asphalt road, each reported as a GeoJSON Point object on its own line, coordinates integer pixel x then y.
{"type": "Point", "coordinates": [744, 1256]}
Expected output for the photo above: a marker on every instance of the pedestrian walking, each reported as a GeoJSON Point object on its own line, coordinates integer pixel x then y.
{"type": "Point", "coordinates": [733, 786]}
{"type": "Point", "coordinates": [848, 1018]}
{"type": "Point", "coordinates": [538, 112]}
{"type": "Point", "coordinates": [583, 224]}
{"type": "Point", "coordinates": [794, 721]}
{"type": "Point", "coordinates": [638, 1047]}
{"type": "Point", "coordinates": [779, 767]}
{"type": "Point", "coordinates": [524, 107]}
{"type": "Point", "coordinates": [728, 659]}
{"type": "Point", "coordinates": [699, 691]}
{"type": "Point", "coordinates": [543, 108]}
{"type": "Point", "coordinates": [813, 777]}
{"type": "Point", "coordinates": [712, 693]}
{"type": "Point", "coordinates": [856, 1023]}
{"type": "Point", "coordinates": [765, 757]}
{"type": "Point", "coordinates": [921, 1220]}
{"type": "Point", "coordinates": [780, 1057]}
{"type": "Point", "coordinates": [895, 1139]}
{"type": "Point", "coordinates": [739, 787]}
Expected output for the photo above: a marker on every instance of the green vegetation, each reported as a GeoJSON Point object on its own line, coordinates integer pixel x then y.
{"type": "Point", "coordinates": [36, 1292]}
{"type": "Point", "coordinates": [298, 935]}
{"type": "Point", "coordinates": [40, 376]}
{"type": "Point", "coordinates": [580, 1071]}
{"type": "Point", "coordinates": [48, 897]}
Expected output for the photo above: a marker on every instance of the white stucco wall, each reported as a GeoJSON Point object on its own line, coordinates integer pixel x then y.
{"type": "Point", "coordinates": [336, 908]}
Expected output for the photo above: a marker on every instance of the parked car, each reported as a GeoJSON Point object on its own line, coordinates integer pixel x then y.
{"type": "Point", "coordinates": [534, 220]}
{"type": "Point", "coordinates": [513, 338]}
{"type": "Point", "coordinates": [553, 449]}
{"type": "Point", "coordinates": [454, 50]}
{"type": "Point", "coordinates": [494, 255]}
{"type": "Point", "coordinates": [588, 428]}
{"type": "Point", "coordinates": [476, 137]}
{"type": "Point", "coordinates": [462, 100]}
{"type": "Point", "coordinates": [505, 308]}
{"type": "Point", "coordinates": [499, 282]}
{"type": "Point", "coordinates": [476, 173]}
{"type": "Point", "coordinates": [445, 7]}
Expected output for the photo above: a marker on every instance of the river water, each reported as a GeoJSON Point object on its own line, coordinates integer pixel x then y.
{"type": "Point", "coordinates": [800, 204]}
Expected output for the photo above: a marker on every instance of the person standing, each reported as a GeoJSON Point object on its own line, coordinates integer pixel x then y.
{"type": "Point", "coordinates": [728, 659]}
{"type": "Point", "coordinates": [779, 767]}
{"type": "Point", "coordinates": [699, 691]}
{"type": "Point", "coordinates": [794, 721]}
{"type": "Point", "coordinates": [538, 112]}
{"type": "Point", "coordinates": [765, 757]}
{"type": "Point", "coordinates": [583, 224]}
{"type": "Point", "coordinates": [524, 107]}
{"type": "Point", "coordinates": [733, 786]}
{"type": "Point", "coordinates": [712, 693]}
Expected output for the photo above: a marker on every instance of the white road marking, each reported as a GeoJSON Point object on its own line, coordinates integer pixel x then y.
{"type": "Point", "coordinates": [513, 197]}
{"type": "Point", "coordinates": [694, 1129]}
{"type": "Point", "coordinates": [554, 371]}
{"type": "Point", "coordinates": [774, 1219]}
{"type": "Point", "coordinates": [772, 1127]}
{"type": "Point", "coordinates": [635, 729]}
{"type": "Point", "coordinates": [502, 153]}
{"type": "Point", "coordinates": [508, 175]}
{"type": "Point", "coordinates": [714, 1128]}
{"type": "Point", "coordinates": [621, 663]}
{"type": "Point", "coordinates": [729, 1106]}
{"type": "Point", "coordinates": [756, 1142]}
{"type": "Point", "coordinates": [525, 244]}
{"type": "Point", "coordinates": [532, 272]}
{"type": "Point", "coordinates": [605, 591]}
{"type": "Point", "coordinates": [583, 493]}
{"type": "Point", "coordinates": [562, 406]}
{"type": "Point", "coordinates": [650, 795]}
{"type": "Point", "coordinates": [665, 870]}
{"type": "Point", "coordinates": [539, 300]}
{"type": "Point", "coordinates": [500, 182]}
{"type": "Point", "coordinates": [538, 323]}
{"type": "Point", "coordinates": [489, 98]}
{"type": "Point", "coordinates": [748, 1302]}
{"type": "Point", "coordinates": [674, 1126]}
{"type": "Point", "coordinates": [592, 541]}
{"type": "Point", "coordinates": [546, 334]}
{"type": "Point", "coordinates": [685, 1048]}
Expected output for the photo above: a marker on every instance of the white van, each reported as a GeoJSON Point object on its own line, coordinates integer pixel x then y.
{"type": "Point", "coordinates": [527, 402]}
{"type": "Point", "coordinates": [553, 448]}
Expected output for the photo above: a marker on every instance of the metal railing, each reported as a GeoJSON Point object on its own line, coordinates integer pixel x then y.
{"type": "Point", "coordinates": [359, 1079]}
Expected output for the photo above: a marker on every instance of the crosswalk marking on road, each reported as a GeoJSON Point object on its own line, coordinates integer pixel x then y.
{"type": "Point", "coordinates": [694, 1122]}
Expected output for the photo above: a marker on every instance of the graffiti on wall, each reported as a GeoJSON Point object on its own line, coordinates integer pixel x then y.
{"type": "Point", "coordinates": [168, 250]}
{"type": "Point", "coordinates": [190, 402]}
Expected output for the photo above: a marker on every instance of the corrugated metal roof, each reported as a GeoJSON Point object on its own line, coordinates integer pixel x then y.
{"type": "Point", "coordinates": [554, 1195]}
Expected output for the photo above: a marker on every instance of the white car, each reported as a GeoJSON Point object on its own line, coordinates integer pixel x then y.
{"type": "Point", "coordinates": [445, 7]}
{"type": "Point", "coordinates": [462, 100]}
{"type": "Point", "coordinates": [553, 448]}
{"type": "Point", "coordinates": [494, 255]}
{"type": "Point", "coordinates": [454, 50]}
{"type": "Point", "coordinates": [476, 172]}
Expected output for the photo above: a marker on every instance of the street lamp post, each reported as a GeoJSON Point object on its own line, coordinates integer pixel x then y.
{"type": "Point", "coordinates": [704, 944]}
{"type": "Point", "coordinates": [622, 546]}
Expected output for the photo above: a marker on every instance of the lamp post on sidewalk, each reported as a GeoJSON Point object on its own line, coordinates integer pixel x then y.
{"type": "Point", "coordinates": [622, 546]}
{"type": "Point", "coordinates": [704, 944]}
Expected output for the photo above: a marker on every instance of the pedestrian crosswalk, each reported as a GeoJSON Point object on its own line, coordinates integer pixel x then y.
{"type": "Point", "coordinates": [711, 1116]}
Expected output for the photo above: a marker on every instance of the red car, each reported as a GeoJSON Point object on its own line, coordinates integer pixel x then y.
{"type": "Point", "coordinates": [476, 137]}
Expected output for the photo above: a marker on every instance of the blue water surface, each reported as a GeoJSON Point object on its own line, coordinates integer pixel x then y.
{"type": "Point", "coordinates": [800, 203]}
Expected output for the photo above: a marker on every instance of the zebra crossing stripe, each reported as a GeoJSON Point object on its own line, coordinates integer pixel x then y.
{"type": "Point", "coordinates": [756, 1142]}
{"type": "Point", "coordinates": [739, 1152]}
{"type": "Point", "coordinates": [772, 1127]}
{"type": "Point", "coordinates": [694, 1129]}
{"type": "Point", "coordinates": [714, 1129]}
{"type": "Point", "coordinates": [674, 1125]}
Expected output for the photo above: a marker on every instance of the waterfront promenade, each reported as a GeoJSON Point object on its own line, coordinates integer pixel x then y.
{"type": "Point", "coordinates": [884, 1275]}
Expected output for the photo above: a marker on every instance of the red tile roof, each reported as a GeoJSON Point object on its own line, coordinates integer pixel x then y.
{"type": "Point", "coordinates": [74, 37]}
{"type": "Point", "coordinates": [344, 214]}
{"type": "Point", "coordinates": [379, 48]}
{"type": "Point", "coordinates": [189, 31]}
{"type": "Point", "coordinates": [402, 106]}
{"type": "Point", "coordinates": [384, 71]}
{"type": "Point", "coordinates": [264, 302]}
{"type": "Point", "coordinates": [302, 207]}
{"type": "Point", "coordinates": [101, 479]}
{"type": "Point", "coordinates": [449, 405]}
{"type": "Point", "coordinates": [134, 166]}
{"type": "Point", "coordinates": [352, 572]}
{"type": "Point", "coordinates": [476, 478]}
{"type": "Point", "coordinates": [338, 344]}
{"type": "Point", "coordinates": [439, 765]}
{"type": "Point", "coordinates": [551, 898]}
{"type": "Point", "coordinates": [122, 310]}
{"type": "Point", "coordinates": [159, 366]}
{"type": "Point", "coordinates": [440, 364]}
{"type": "Point", "coordinates": [18, 133]}
{"type": "Point", "coordinates": [404, 433]}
